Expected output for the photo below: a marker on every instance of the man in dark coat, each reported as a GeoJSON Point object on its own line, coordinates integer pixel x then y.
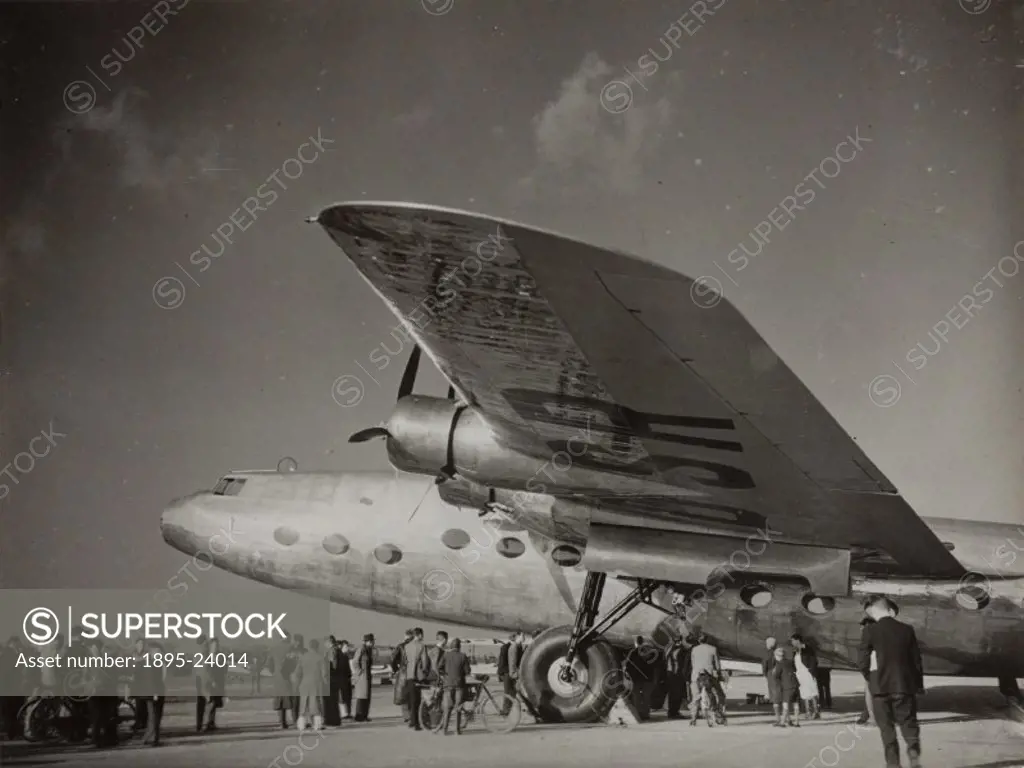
{"type": "Point", "coordinates": [363, 679]}
{"type": "Point", "coordinates": [453, 672]}
{"type": "Point", "coordinates": [675, 677]}
{"type": "Point", "coordinates": [79, 725]}
{"type": "Point", "coordinates": [890, 660]}
{"type": "Point", "coordinates": [201, 695]}
{"type": "Point", "coordinates": [508, 683]}
{"type": "Point", "coordinates": [866, 716]}
{"type": "Point", "coordinates": [103, 706]}
{"type": "Point", "coordinates": [513, 673]}
{"type": "Point", "coordinates": [332, 713]}
{"type": "Point", "coordinates": [214, 679]}
{"type": "Point", "coordinates": [640, 666]}
{"type": "Point", "coordinates": [149, 682]}
{"type": "Point", "coordinates": [434, 654]}
{"type": "Point", "coordinates": [257, 660]}
{"type": "Point", "coordinates": [398, 677]}
{"type": "Point", "coordinates": [136, 687]}
{"type": "Point", "coordinates": [824, 680]}
{"type": "Point", "coordinates": [280, 663]}
{"type": "Point", "coordinates": [344, 673]}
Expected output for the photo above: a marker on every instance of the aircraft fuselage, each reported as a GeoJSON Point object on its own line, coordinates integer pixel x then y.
{"type": "Point", "coordinates": [350, 539]}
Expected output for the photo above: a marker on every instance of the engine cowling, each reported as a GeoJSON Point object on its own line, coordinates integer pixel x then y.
{"type": "Point", "coordinates": [419, 433]}
{"type": "Point", "coordinates": [435, 436]}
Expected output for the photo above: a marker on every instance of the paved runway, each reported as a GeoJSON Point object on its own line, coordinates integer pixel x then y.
{"type": "Point", "coordinates": [963, 727]}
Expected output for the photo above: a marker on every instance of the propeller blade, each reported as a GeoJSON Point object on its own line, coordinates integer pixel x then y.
{"type": "Point", "coordinates": [451, 392]}
{"type": "Point", "coordinates": [409, 377]}
{"type": "Point", "coordinates": [368, 434]}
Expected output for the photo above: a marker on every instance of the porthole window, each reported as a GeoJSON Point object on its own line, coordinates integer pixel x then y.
{"type": "Point", "coordinates": [336, 544]}
{"type": "Point", "coordinates": [818, 606]}
{"type": "Point", "coordinates": [974, 594]}
{"type": "Point", "coordinates": [286, 536]}
{"type": "Point", "coordinates": [455, 538]}
{"type": "Point", "coordinates": [756, 595]}
{"type": "Point", "coordinates": [388, 554]}
{"type": "Point", "coordinates": [566, 556]}
{"type": "Point", "coordinates": [510, 547]}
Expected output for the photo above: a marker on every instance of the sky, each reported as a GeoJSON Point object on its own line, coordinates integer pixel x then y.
{"type": "Point", "coordinates": [128, 139]}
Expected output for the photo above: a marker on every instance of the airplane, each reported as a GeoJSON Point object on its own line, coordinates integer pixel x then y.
{"type": "Point", "coordinates": [620, 454]}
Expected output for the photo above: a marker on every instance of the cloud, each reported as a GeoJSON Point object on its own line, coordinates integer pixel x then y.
{"type": "Point", "coordinates": [141, 158]}
{"type": "Point", "coordinates": [148, 159]}
{"type": "Point", "coordinates": [581, 143]}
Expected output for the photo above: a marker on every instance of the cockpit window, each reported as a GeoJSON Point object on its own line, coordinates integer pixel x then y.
{"type": "Point", "coordinates": [229, 486]}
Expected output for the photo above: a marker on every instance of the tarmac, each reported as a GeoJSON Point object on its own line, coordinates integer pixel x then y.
{"type": "Point", "coordinates": [964, 725]}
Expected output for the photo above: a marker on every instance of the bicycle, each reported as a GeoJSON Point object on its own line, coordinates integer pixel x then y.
{"type": "Point", "coordinates": [708, 703]}
{"type": "Point", "coordinates": [48, 718]}
{"type": "Point", "coordinates": [499, 712]}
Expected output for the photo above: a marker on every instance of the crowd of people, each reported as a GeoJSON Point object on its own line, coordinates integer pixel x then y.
{"type": "Point", "coordinates": [323, 684]}
{"type": "Point", "coordinates": [796, 681]}
{"type": "Point", "coordinates": [322, 687]}
{"type": "Point", "coordinates": [84, 698]}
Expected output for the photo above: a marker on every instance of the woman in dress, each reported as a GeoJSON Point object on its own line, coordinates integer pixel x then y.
{"type": "Point", "coordinates": [806, 663]}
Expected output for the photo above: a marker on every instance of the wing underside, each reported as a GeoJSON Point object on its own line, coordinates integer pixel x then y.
{"type": "Point", "coordinates": [553, 339]}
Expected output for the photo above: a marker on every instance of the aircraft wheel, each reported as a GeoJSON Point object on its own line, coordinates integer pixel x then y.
{"type": "Point", "coordinates": [597, 682]}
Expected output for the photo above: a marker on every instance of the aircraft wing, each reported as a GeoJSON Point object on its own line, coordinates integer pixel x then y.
{"type": "Point", "coordinates": [567, 342]}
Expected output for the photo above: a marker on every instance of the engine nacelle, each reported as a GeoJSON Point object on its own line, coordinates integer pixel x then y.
{"type": "Point", "coordinates": [433, 436]}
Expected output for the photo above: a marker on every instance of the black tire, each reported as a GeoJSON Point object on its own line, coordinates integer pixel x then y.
{"type": "Point", "coordinates": [599, 679]}
{"type": "Point", "coordinates": [431, 713]}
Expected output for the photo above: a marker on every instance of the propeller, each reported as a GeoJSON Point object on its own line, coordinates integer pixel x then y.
{"type": "Point", "coordinates": [409, 375]}
{"type": "Point", "coordinates": [404, 388]}
{"type": "Point", "coordinates": [368, 434]}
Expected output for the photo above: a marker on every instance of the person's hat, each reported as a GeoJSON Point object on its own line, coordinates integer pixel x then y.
{"type": "Point", "coordinates": [367, 637]}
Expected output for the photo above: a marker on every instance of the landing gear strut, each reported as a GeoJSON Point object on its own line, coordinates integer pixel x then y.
{"type": "Point", "coordinates": [1009, 688]}
{"type": "Point", "coordinates": [571, 674]}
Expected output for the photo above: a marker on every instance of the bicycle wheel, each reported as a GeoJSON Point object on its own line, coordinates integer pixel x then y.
{"type": "Point", "coordinates": [500, 712]}
{"type": "Point", "coordinates": [40, 721]}
{"type": "Point", "coordinates": [431, 713]}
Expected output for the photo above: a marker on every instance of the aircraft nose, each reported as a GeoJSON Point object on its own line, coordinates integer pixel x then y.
{"type": "Point", "coordinates": [177, 524]}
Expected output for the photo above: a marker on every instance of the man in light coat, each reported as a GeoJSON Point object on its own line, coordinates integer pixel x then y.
{"type": "Point", "coordinates": [311, 678]}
